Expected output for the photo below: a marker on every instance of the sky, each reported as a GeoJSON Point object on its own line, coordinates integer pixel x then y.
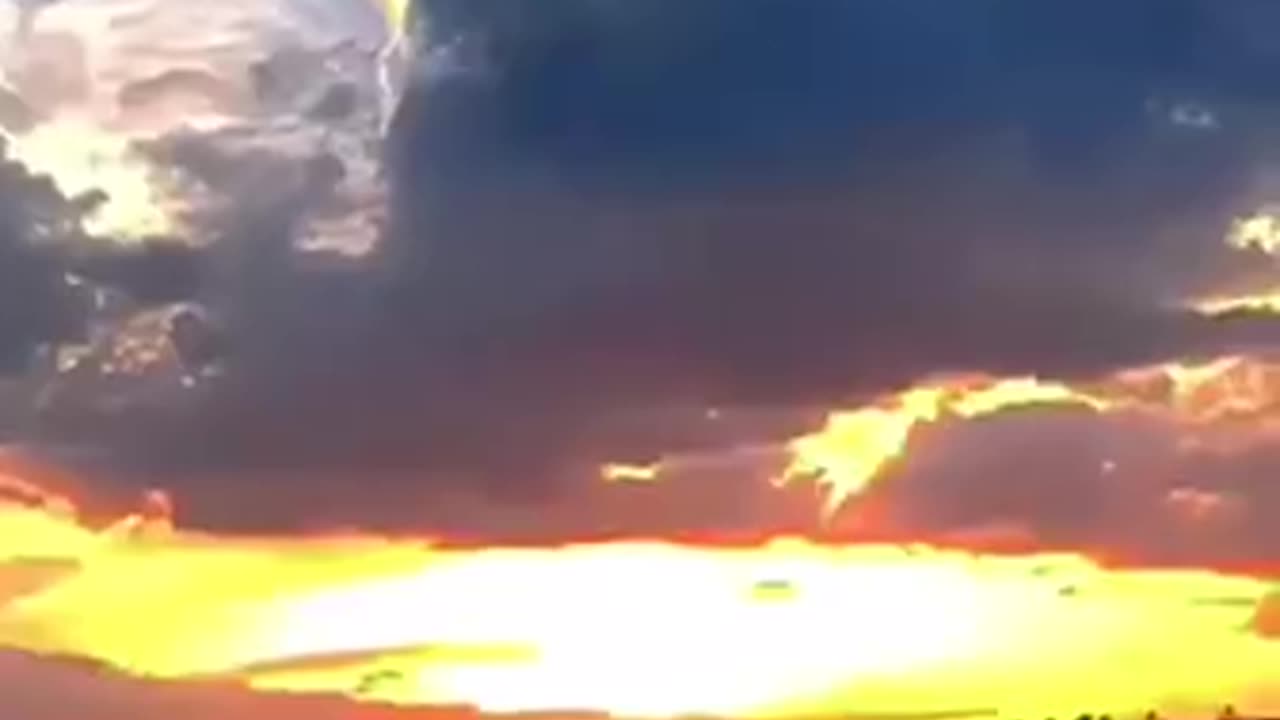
{"type": "Point", "coordinates": [70, 689]}
{"type": "Point", "coordinates": [606, 217]}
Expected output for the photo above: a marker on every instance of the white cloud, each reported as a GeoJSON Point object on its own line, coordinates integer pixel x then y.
{"type": "Point", "coordinates": [102, 75]}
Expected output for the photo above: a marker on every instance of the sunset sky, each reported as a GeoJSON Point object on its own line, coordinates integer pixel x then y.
{"type": "Point", "coordinates": [1000, 275]}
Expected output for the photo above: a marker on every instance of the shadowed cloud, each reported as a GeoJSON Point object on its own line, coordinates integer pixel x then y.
{"type": "Point", "coordinates": [604, 216]}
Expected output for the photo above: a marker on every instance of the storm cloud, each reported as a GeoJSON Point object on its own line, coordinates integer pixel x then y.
{"type": "Point", "coordinates": [761, 201]}
{"type": "Point", "coordinates": [606, 219]}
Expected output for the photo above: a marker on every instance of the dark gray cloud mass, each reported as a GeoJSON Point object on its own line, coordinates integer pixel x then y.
{"type": "Point", "coordinates": [1069, 478]}
{"type": "Point", "coordinates": [30, 308]}
{"type": "Point", "coordinates": [610, 210]}
{"type": "Point", "coordinates": [41, 244]}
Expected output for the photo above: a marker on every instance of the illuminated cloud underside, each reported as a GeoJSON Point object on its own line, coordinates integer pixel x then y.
{"type": "Point", "coordinates": [636, 629]}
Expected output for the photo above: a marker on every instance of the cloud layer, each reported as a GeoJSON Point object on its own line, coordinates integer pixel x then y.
{"type": "Point", "coordinates": [43, 689]}
{"type": "Point", "coordinates": [606, 219]}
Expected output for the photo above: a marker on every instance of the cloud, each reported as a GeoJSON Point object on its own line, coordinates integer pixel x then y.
{"type": "Point", "coordinates": [54, 689]}
{"type": "Point", "coordinates": [606, 219]}
{"type": "Point", "coordinates": [176, 176]}
{"type": "Point", "coordinates": [559, 253]}
{"type": "Point", "coordinates": [51, 272]}
{"type": "Point", "coordinates": [695, 225]}
{"type": "Point", "coordinates": [35, 306]}
{"type": "Point", "coordinates": [1123, 484]}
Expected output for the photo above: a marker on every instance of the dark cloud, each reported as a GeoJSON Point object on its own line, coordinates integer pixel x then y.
{"type": "Point", "coordinates": [42, 242]}
{"type": "Point", "coordinates": [59, 285]}
{"type": "Point", "coordinates": [1123, 484]}
{"type": "Point", "coordinates": [902, 251]}
{"type": "Point", "coordinates": [607, 214]}
{"type": "Point", "coordinates": [34, 306]}
{"type": "Point", "coordinates": [770, 200]}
